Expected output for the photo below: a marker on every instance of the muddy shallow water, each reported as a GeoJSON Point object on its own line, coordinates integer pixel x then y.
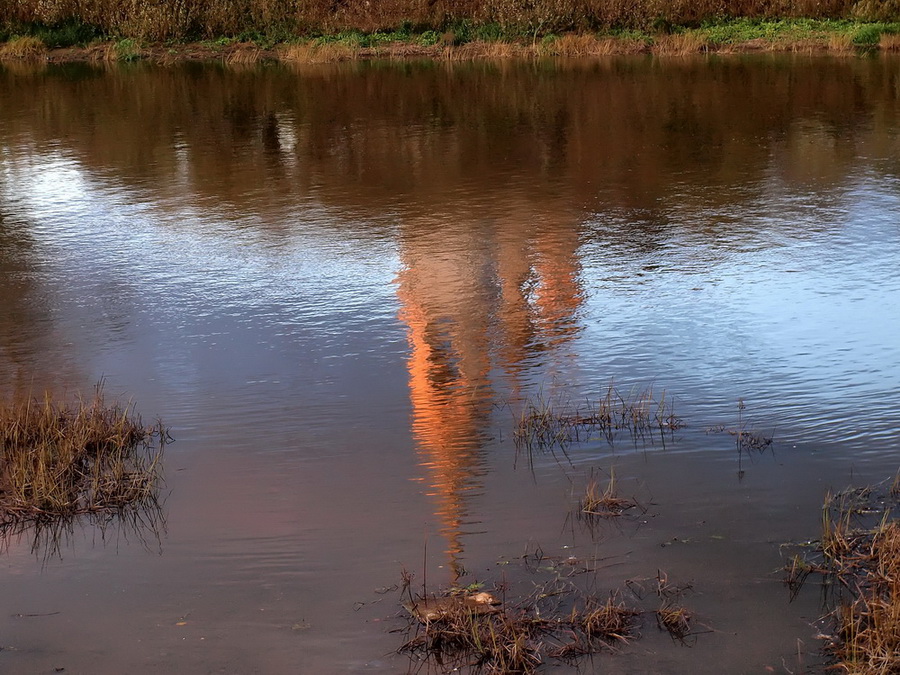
{"type": "Point", "coordinates": [338, 284]}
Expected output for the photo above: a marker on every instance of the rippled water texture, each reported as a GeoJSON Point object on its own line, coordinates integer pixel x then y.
{"type": "Point", "coordinates": [338, 284]}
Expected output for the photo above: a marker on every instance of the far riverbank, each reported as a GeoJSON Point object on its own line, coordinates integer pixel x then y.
{"type": "Point", "coordinates": [809, 36]}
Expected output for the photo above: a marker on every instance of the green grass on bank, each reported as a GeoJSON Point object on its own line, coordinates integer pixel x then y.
{"type": "Point", "coordinates": [739, 31]}
{"type": "Point", "coordinates": [834, 34]}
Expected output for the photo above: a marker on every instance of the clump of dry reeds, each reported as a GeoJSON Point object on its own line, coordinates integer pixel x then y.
{"type": "Point", "coordinates": [123, 51]}
{"type": "Point", "coordinates": [23, 48]}
{"type": "Point", "coordinates": [318, 52]}
{"type": "Point", "coordinates": [62, 461]}
{"type": "Point", "coordinates": [611, 620]}
{"type": "Point", "coordinates": [675, 620]}
{"type": "Point", "coordinates": [889, 42]}
{"type": "Point", "coordinates": [867, 635]}
{"type": "Point", "coordinates": [841, 44]}
{"type": "Point", "coordinates": [838, 534]}
{"type": "Point", "coordinates": [514, 639]}
{"type": "Point", "coordinates": [679, 44]}
{"type": "Point", "coordinates": [561, 617]}
{"type": "Point", "coordinates": [545, 424]}
{"type": "Point", "coordinates": [604, 502]}
{"type": "Point", "coordinates": [863, 562]}
{"type": "Point", "coordinates": [588, 44]}
{"type": "Point", "coordinates": [243, 54]}
{"type": "Point", "coordinates": [486, 50]}
{"type": "Point", "coordinates": [498, 642]}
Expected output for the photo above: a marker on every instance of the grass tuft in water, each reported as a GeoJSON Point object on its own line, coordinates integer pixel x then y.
{"type": "Point", "coordinates": [675, 620]}
{"type": "Point", "coordinates": [604, 502]}
{"type": "Point", "coordinates": [62, 461]}
{"type": "Point", "coordinates": [515, 639]}
{"type": "Point", "coordinates": [545, 424]}
{"type": "Point", "coordinates": [558, 616]}
{"type": "Point", "coordinates": [611, 620]}
{"type": "Point", "coordinates": [861, 565]}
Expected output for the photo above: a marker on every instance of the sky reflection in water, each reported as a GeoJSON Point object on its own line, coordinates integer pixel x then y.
{"type": "Point", "coordinates": [341, 281]}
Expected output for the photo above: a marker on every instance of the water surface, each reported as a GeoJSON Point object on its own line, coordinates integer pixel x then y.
{"type": "Point", "coordinates": [337, 285]}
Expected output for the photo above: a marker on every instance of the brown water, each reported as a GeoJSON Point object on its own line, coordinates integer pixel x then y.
{"type": "Point", "coordinates": [337, 284]}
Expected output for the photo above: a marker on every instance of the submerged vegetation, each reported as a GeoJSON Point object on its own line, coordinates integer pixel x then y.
{"type": "Point", "coordinates": [59, 462]}
{"type": "Point", "coordinates": [560, 618]}
{"type": "Point", "coordinates": [545, 424]}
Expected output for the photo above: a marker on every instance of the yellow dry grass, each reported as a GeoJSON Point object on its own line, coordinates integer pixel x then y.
{"type": "Point", "coordinates": [487, 50]}
{"type": "Point", "coordinates": [841, 44]}
{"type": "Point", "coordinates": [675, 620]}
{"type": "Point", "coordinates": [106, 52]}
{"type": "Point", "coordinates": [866, 564]}
{"type": "Point", "coordinates": [581, 45]}
{"type": "Point", "coordinates": [868, 629]}
{"type": "Point", "coordinates": [313, 52]}
{"type": "Point", "coordinates": [604, 502]}
{"type": "Point", "coordinates": [889, 42]}
{"type": "Point", "coordinates": [244, 53]}
{"type": "Point", "coordinates": [610, 620]}
{"type": "Point", "coordinates": [679, 44]}
{"type": "Point", "coordinates": [61, 461]}
{"type": "Point", "coordinates": [23, 48]}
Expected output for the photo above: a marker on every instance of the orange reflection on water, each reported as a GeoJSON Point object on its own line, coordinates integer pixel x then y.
{"type": "Point", "coordinates": [479, 301]}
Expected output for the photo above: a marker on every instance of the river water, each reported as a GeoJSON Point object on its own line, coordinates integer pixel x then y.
{"type": "Point", "coordinates": [339, 284]}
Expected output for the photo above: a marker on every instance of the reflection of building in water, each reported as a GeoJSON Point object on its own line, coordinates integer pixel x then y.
{"type": "Point", "coordinates": [480, 300]}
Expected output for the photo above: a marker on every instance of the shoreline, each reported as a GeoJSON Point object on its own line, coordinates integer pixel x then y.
{"type": "Point", "coordinates": [733, 37]}
{"type": "Point", "coordinates": [249, 53]}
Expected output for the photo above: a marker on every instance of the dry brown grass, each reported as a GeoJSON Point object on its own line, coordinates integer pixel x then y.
{"type": "Point", "coordinates": [545, 424]}
{"type": "Point", "coordinates": [62, 461]}
{"type": "Point", "coordinates": [862, 567]}
{"type": "Point", "coordinates": [868, 628]}
{"type": "Point", "coordinates": [582, 45]}
{"type": "Point", "coordinates": [611, 620]}
{"type": "Point", "coordinates": [107, 52]}
{"type": "Point", "coordinates": [842, 44]}
{"type": "Point", "coordinates": [24, 49]}
{"type": "Point", "coordinates": [574, 45]}
{"type": "Point", "coordinates": [838, 534]}
{"type": "Point", "coordinates": [796, 572]}
{"type": "Point", "coordinates": [313, 52]}
{"type": "Point", "coordinates": [558, 615]}
{"type": "Point", "coordinates": [889, 42]}
{"type": "Point", "coordinates": [487, 50]}
{"type": "Point", "coordinates": [514, 640]}
{"type": "Point", "coordinates": [243, 53]}
{"type": "Point", "coordinates": [675, 620]}
{"type": "Point", "coordinates": [679, 44]}
{"type": "Point", "coordinates": [604, 502]}
{"type": "Point", "coordinates": [497, 641]}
